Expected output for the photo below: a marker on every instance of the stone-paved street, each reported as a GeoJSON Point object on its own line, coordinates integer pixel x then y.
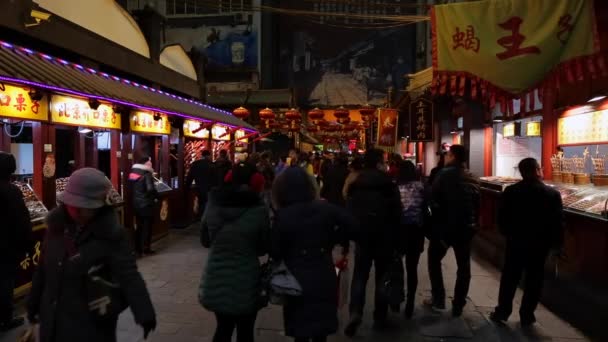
{"type": "Point", "coordinates": [173, 277]}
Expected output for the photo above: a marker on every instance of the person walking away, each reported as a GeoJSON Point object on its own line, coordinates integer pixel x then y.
{"type": "Point", "coordinates": [374, 200]}
{"type": "Point", "coordinates": [438, 168]}
{"type": "Point", "coordinates": [531, 221]}
{"type": "Point", "coordinates": [203, 174]}
{"type": "Point", "coordinates": [237, 229]}
{"type": "Point", "coordinates": [144, 200]}
{"type": "Point", "coordinates": [455, 201]}
{"type": "Point", "coordinates": [326, 164]}
{"type": "Point", "coordinates": [304, 235]}
{"type": "Point", "coordinates": [222, 166]}
{"type": "Point", "coordinates": [265, 168]}
{"type": "Point", "coordinates": [414, 203]}
{"type": "Point", "coordinates": [16, 239]}
{"type": "Point", "coordinates": [281, 165]}
{"type": "Point", "coordinates": [354, 168]}
{"type": "Point", "coordinates": [84, 237]}
{"type": "Point", "coordinates": [304, 162]}
{"type": "Point", "coordinates": [334, 182]}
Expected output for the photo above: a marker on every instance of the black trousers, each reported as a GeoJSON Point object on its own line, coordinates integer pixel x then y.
{"type": "Point", "coordinates": [143, 233]}
{"type": "Point", "coordinates": [520, 260]}
{"type": "Point", "coordinates": [227, 323]}
{"type": "Point", "coordinates": [7, 285]}
{"type": "Point", "coordinates": [364, 258]}
{"type": "Point", "coordinates": [437, 251]}
{"type": "Point", "coordinates": [411, 269]}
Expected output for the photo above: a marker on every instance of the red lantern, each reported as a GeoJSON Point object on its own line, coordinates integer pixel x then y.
{"type": "Point", "coordinates": [241, 113]}
{"type": "Point", "coordinates": [367, 110]}
{"type": "Point", "coordinates": [342, 114]}
{"type": "Point", "coordinates": [316, 114]}
{"type": "Point", "coordinates": [266, 114]}
{"type": "Point", "coordinates": [293, 115]}
{"type": "Point", "coordinates": [312, 129]}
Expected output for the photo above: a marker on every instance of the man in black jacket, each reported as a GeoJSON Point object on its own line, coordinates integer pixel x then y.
{"type": "Point", "coordinates": [455, 205]}
{"type": "Point", "coordinates": [203, 173]}
{"type": "Point", "coordinates": [375, 202]}
{"type": "Point", "coordinates": [15, 241]}
{"type": "Point", "coordinates": [144, 200]}
{"type": "Point", "coordinates": [531, 220]}
{"type": "Point", "coordinates": [222, 166]}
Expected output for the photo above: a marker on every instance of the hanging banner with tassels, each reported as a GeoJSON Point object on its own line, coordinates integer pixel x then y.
{"type": "Point", "coordinates": [506, 49]}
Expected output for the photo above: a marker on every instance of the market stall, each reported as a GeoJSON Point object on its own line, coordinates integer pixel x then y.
{"type": "Point", "coordinates": [150, 137]}
{"type": "Point", "coordinates": [197, 137]}
{"type": "Point", "coordinates": [220, 140]}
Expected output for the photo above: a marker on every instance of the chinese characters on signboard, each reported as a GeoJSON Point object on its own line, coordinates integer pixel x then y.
{"type": "Point", "coordinates": [512, 129]}
{"type": "Point", "coordinates": [30, 261]}
{"type": "Point", "coordinates": [387, 127]}
{"type": "Point", "coordinates": [220, 133]}
{"type": "Point", "coordinates": [421, 120]}
{"type": "Point", "coordinates": [192, 129]}
{"type": "Point", "coordinates": [583, 128]}
{"type": "Point", "coordinates": [533, 129]}
{"type": "Point", "coordinates": [15, 102]}
{"type": "Point", "coordinates": [76, 112]}
{"type": "Point", "coordinates": [144, 122]}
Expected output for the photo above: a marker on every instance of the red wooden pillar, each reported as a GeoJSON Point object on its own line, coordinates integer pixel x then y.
{"type": "Point", "coordinates": [5, 140]}
{"type": "Point", "coordinates": [126, 162]}
{"type": "Point", "coordinates": [43, 136]}
{"type": "Point", "coordinates": [488, 144]}
{"type": "Point", "coordinates": [165, 173]}
{"type": "Point", "coordinates": [549, 131]}
{"type": "Point", "coordinates": [115, 159]}
{"type": "Point", "coordinates": [80, 152]}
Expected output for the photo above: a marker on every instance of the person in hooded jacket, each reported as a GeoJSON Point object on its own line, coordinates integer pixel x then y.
{"type": "Point", "coordinates": [144, 200]}
{"type": "Point", "coordinates": [15, 242]}
{"type": "Point", "coordinates": [305, 233]}
{"type": "Point", "coordinates": [237, 229]}
{"type": "Point", "coordinates": [84, 235]}
{"type": "Point", "coordinates": [373, 198]}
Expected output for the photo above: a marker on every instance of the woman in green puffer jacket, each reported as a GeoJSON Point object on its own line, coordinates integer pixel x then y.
{"type": "Point", "coordinates": [237, 228]}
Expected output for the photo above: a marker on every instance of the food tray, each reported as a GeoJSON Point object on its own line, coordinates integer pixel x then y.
{"type": "Point", "coordinates": [37, 210]}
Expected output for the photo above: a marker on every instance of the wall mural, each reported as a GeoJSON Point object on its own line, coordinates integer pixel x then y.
{"type": "Point", "coordinates": [332, 61]}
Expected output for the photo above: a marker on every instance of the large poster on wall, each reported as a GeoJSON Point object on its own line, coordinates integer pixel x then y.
{"type": "Point", "coordinates": [334, 60]}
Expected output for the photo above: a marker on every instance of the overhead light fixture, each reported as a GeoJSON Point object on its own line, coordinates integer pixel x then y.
{"type": "Point", "coordinates": [84, 130]}
{"type": "Point", "coordinates": [497, 119]}
{"type": "Point", "coordinates": [597, 98]}
{"type": "Point", "coordinates": [156, 117]}
{"type": "Point", "coordinates": [94, 104]}
{"type": "Point", "coordinates": [35, 94]}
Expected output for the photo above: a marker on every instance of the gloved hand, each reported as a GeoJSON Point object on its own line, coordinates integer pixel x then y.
{"type": "Point", "coordinates": [148, 326]}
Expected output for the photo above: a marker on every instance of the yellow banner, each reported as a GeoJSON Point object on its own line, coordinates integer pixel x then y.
{"type": "Point", "coordinates": [15, 102]}
{"type": "Point", "coordinates": [190, 126]}
{"type": "Point", "coordinates": [144, 122]}
{"type": "Point", "coordinates": [220, 133]}
{"type": "Point", "coordinates": [587, 128]}
{"type": "Point", "coordinates": [76, 112]}
{"type": "Point", "coordinates": [239, 136]}
{"type": "Point", "coordinates": [511, 44]}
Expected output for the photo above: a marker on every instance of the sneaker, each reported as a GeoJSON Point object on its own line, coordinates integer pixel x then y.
{"type": "Point", "coordinates": [10, 325]}
{"type": "Point", "coordinates": [435, 305]}
{"type": "Point", "coordinates": [353, 325]}
{"type": "Point", "coordinates": [457, 311]}
{"type": "Point", "coordinates": [498, 318]}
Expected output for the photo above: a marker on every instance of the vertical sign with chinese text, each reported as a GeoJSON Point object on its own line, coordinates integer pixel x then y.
{"type": "Point", "coordinates": [421, 120]}
{"type": "Point", "coordinates": [387, 127]}
{"type": "Point", "coordinates": [15, 102]}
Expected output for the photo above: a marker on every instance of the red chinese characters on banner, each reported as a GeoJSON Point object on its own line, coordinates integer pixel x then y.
{"type": "Point", "coordinates": [513, 43]}
{"type": "Point", "coordinates": [565, 28]}
{"type": "Point", "coordinates": [35, 106]}
{"type": "Point", "coordinates": [20, 106]}
{"type": "Point", "coordinates": [466, 40]}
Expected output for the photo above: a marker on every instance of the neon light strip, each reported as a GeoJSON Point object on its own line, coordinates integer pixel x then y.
{"type": "Point", "coordinates": [126, 103]}
{"type": "Point", "coordinates": [115, 78]}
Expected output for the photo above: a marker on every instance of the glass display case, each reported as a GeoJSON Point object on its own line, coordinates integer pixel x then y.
{"type": "Point", "coordinates": [37, 210]}
{"type": "Point", "coordinates": [497, 183]}
{"type": "Point", "coordinates": [115, 197]}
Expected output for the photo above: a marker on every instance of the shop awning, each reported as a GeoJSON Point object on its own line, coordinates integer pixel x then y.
{"type": "Point", "coordinates": [419, 82]}
{"type": "Point", "coordinates": [27, 67]}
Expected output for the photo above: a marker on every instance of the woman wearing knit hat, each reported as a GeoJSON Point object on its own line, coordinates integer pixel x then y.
{"type": "Point", "coordinates": [87, 273]}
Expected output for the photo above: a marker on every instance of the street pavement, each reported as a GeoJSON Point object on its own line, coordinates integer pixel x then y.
{"type": "Point", "coordinates": [173, 277]}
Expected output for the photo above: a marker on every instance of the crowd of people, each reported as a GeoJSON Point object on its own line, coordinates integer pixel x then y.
{"type": "Point", "coordinates": [295, 210]}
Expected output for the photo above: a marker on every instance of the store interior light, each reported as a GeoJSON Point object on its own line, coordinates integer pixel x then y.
{"type": "Point", "coordinates": [497, 119]}
{"type": "Point", "coordinates": [597, 98]}
{"type": "Point", "coordinates": [84, 130]}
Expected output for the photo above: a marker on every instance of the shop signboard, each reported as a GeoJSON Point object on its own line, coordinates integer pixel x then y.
{"type": "Point", "coordinates": [511, 130]}
{"type": "Point", "coordinates": [533, 129]}
{"type": "Point", "coordinates": [387, 127]}
{"type": "Point", "coordinates": [145, 122]}
{"type": "Point", "coordinates": [583, 128]}
{"type": "Point", "coordinates": [220, 133]}
{"type": "Point", "coordinates": [30, 261]}
{"type": "Point", "coordinates": [15, 102]}
{"type": "Point", "coordinates": [77, 112]}
{"type": "Point", "coordinates": [240, 137]}
{"type": "Point", "coordinates": [192, 129]}
{"type": "Point", "coordinates": [421, 120]}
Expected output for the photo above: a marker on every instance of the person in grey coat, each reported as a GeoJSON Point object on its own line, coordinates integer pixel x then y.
{"type": "Point", "coordinates": [304, 235]}
{"type": "Point", "coordinates": [84, 234]}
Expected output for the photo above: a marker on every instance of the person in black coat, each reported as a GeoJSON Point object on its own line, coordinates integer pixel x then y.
{"type": "Point", "coordinates": [15, 241]}
{"type": "Point", "coordinates": [305, 233]}
{"type": "Point", "coordinates": [203, 173]}
{"type": "Point", "coordinates": [334, 181]}
{"type": "Point", "coordinates": [84, 235]}
{"type": "Point", "coordinates": [223, 165]}
{"type": "Point", "coordinates": [373, 198]}
{"type": "Point", "coordinates": [144, 200]}
{"type": "Point", "coordinates": [530, 218]}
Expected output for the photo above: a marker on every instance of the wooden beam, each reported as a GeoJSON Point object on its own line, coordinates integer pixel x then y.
{"type": "Point", "coordinates": [115, 161]}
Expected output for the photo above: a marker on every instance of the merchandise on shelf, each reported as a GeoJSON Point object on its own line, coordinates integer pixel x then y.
{"type": "Point", "coordinates": [37, 210]}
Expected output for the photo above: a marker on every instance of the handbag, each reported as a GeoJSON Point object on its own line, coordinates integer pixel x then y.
{"type": "Point", "coordinates": [105, 298]}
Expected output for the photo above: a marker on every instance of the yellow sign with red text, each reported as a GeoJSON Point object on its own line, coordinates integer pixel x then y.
{"type": "Point", "coordinates": [192, 129]}
{"type": "Point", "coordinates": [220, 133]}
{"type": "Point", "coordinates": [77, 112]}
{"type": "Point", "coordinates": [144, 122]}
{"type": "Point", "coordinates": [15, 102]}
